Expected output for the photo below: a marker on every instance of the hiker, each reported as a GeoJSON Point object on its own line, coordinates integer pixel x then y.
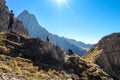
{"type": "Point", "coordinates": [47, 39]}
{"type": "Point", "coordinates": [11, 20]}
{"type": "Point", "coordinates": [70, 52]}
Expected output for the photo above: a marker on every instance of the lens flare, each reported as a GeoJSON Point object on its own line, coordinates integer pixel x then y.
{"type": "Point", "coordinates": [61, 2]}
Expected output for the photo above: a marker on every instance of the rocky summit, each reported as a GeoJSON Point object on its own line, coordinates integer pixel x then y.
{"type": "Point", "coordinates": [25, 58]}
{"type": "Point", "coordinates": [107, 55]}
{"type": "Point", "coordinates": [4, 21]}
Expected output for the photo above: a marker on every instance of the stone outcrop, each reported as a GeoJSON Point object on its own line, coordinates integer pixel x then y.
{"type": "Point", "coordinates": [84, 70]}
{"type": "Point", "coordinates": [107, 55]}
{"type": "Point", "coordinates": [4, 21]}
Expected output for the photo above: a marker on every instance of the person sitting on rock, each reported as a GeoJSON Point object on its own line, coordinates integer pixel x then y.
{"type": "Point", "coordinates": [11, 20]}
{"type": "Point", "coordinates": [47, 39]}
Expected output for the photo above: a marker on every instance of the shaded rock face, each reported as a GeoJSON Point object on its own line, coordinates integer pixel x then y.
{"type": "Point", "coordinates": [4, 21]}
{"type": "Point", "coordinates": [46, 57]}
{"type": "Point", "coordinates": [107, 54]}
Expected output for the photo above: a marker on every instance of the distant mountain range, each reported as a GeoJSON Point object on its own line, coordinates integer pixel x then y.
{"type": "Point", "coordinates": [79, 44]}
{"type": "Point", "coordinates": [35, 30]}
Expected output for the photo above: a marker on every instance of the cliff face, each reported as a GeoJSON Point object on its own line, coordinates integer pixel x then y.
{"type": "Point", "coordinates": [28, 58]}
{"type": "Point", "coordinates": [17, 26]}
{"type": "Point", "coordinates": [107, 54]}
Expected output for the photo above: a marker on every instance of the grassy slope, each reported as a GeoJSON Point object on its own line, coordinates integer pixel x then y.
{"type": "Point", "coordinates": [17, 67]}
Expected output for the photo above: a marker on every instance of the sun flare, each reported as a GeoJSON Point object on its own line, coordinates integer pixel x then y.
{"type": "Point", "coordinates": [60, 2]}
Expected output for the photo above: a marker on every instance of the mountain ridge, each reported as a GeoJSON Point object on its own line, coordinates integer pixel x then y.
{"type": "Point", "coordinates": [35, 30]}
{"type": "Point", "coordinates": [79, 44]}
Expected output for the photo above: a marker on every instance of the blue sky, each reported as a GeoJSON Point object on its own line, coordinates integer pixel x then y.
{"type": "Point", "coordinates": [82, 20]}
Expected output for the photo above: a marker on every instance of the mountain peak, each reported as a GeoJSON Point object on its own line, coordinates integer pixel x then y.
{"type": "Point", "coordinates": [25, 12]}
{"type": "Point", "coordinates": [28, 19]}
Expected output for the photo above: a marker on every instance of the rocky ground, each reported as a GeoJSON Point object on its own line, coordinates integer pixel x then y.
{"type": "Point", "coordinates": [25, 58]}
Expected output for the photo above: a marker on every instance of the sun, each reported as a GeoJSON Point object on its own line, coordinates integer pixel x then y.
{"type": "Point", "coordinates": [61, 2]}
